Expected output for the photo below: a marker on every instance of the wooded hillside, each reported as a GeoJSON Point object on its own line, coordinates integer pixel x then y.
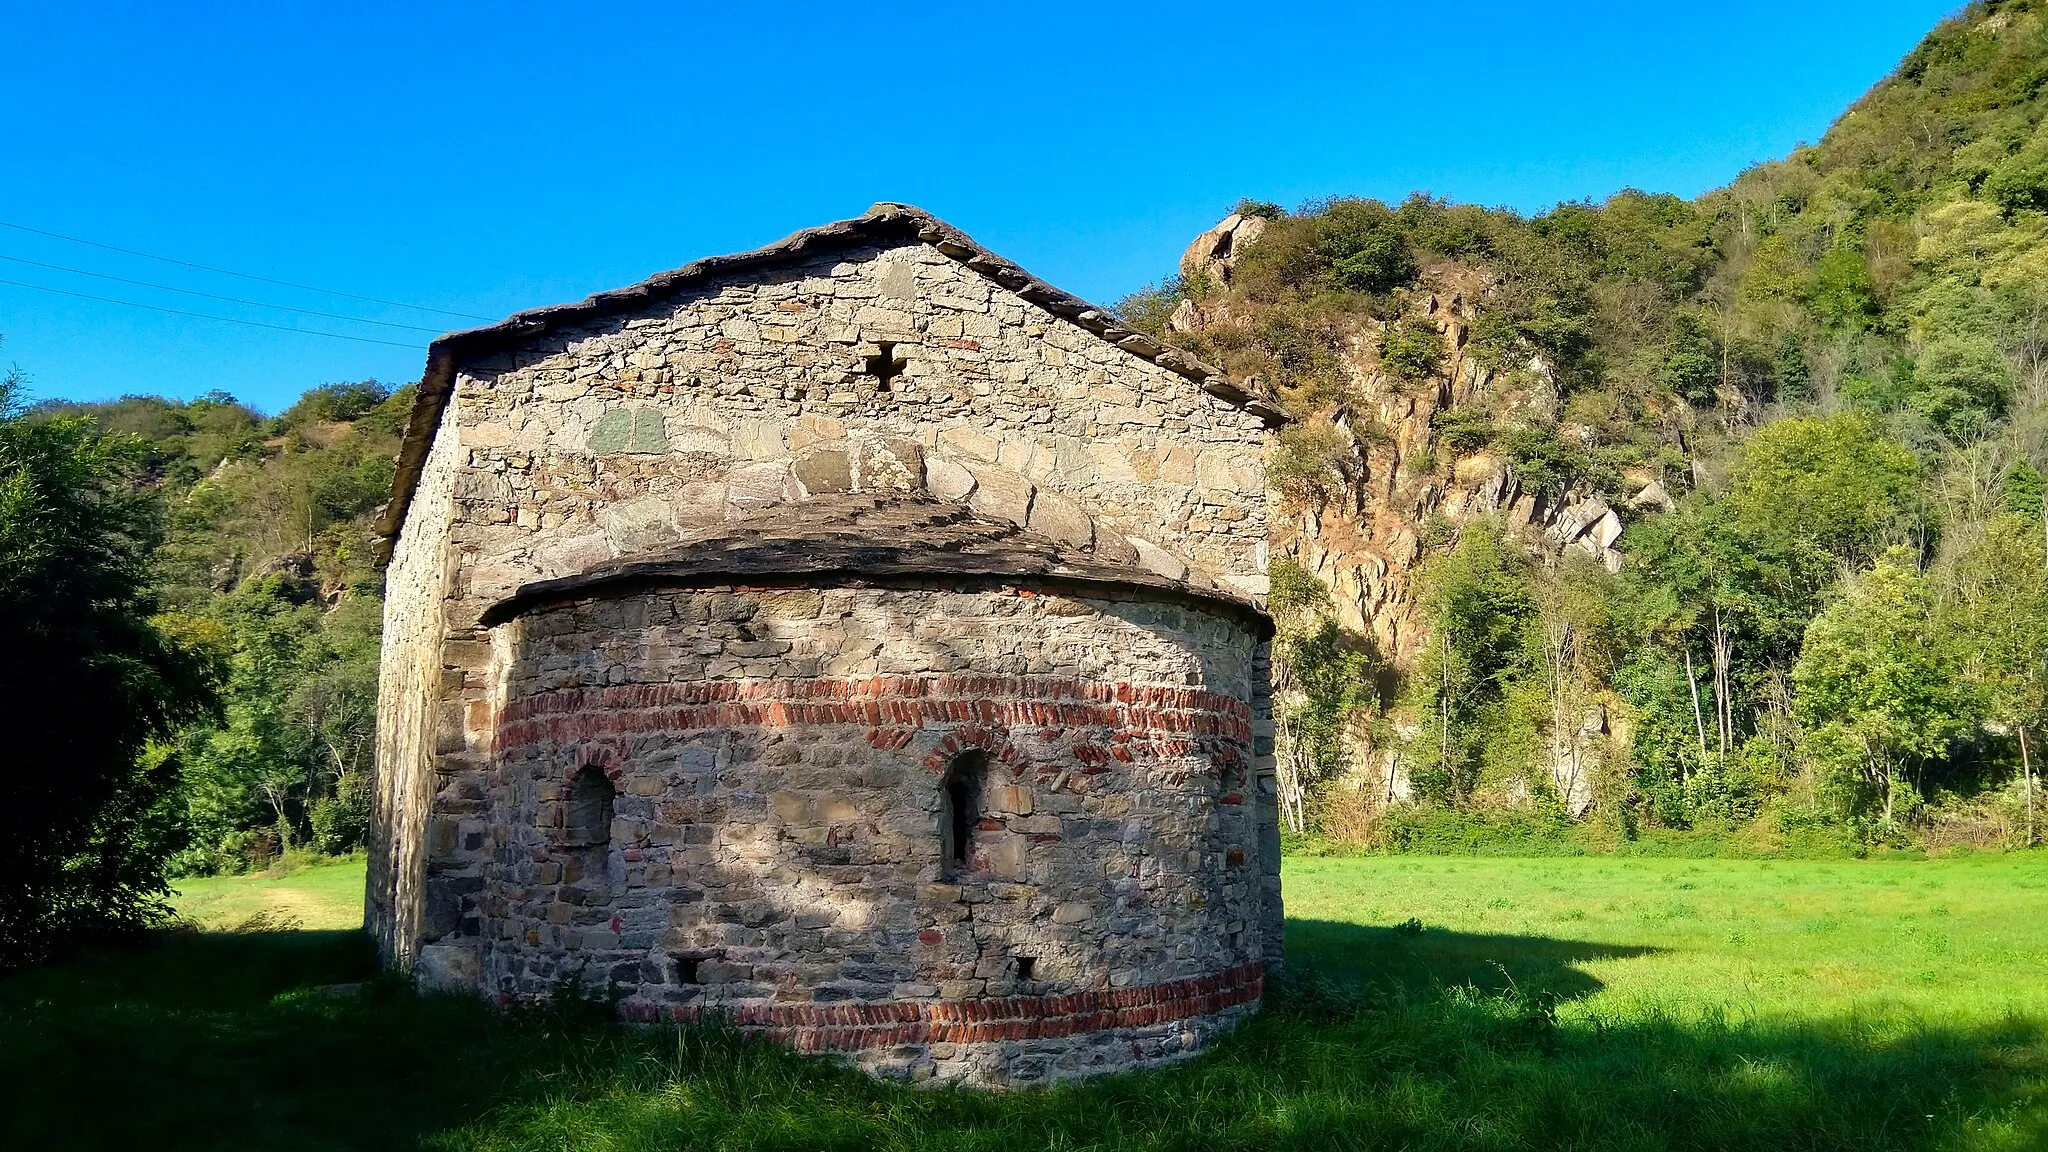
{"type": "Point", "coordinates": [1798, 422]}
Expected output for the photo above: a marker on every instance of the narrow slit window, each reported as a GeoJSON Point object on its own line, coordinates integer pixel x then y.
{"type": "Point", "coordinates": [1027, 967]}
{"type": "Point", "coordinates": [960, 811]}
{"type": "Point", "coordinates": [590, 809]}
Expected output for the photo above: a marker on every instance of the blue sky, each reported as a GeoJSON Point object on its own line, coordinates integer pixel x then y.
{"type": "Point", "coordinates": [482, 159]}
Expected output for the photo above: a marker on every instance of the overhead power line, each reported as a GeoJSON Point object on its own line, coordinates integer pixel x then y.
{"type": "Point", "coordinates": [242, 275]}
{"type": "Point", "coordinates": [226, 299]}
{"type": "Point", "coordinates": [208, 316]}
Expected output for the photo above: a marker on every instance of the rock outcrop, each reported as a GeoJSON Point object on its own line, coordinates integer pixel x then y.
{"type": "Point", "coordinates": [1214, 253]}
{"type": "Point", "coordinates": [1405, 486]}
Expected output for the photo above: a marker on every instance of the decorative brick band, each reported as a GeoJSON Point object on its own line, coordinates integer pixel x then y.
{"type": "Point", "coordinates": [992, 702]}
{"type": "Point", "coordinates": [853, 1027]}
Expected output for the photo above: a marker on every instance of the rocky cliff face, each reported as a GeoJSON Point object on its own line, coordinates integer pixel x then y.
{"type": "Point", "coordinates": [1404, 485]}
{"type": "Point", "coordinates": [1404, 482]}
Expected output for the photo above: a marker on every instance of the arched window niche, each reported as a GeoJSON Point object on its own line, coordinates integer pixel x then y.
{"type": "Point", "coordinates": [589, 820]}
{"type": "Point", "coordinates": [960, 807]}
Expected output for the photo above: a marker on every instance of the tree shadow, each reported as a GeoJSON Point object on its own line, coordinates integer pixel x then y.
{"type": "Point", "coordinates": [1414, 960]}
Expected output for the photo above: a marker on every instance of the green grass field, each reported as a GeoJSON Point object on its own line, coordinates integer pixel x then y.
{"type": "Point", "coordinates": [320, 899]}
{"type": "Point", "coordinates": [1555, 1003]}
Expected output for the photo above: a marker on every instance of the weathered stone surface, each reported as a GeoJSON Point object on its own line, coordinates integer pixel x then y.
{"type": "Point", "coordinates": [636, 429]}
{"type": "Point", "coordinates": [447, 968]}
{"type": "Point", "coordinates": [824, 471]}
{"type": "Point", "coordinates": [948, 480]}
{"type": "Point", "coordinates": [638, 525]}
{"type": "Point", "coordinates": [769, 849]}
{"type": "Point", "coordinates": [1001, 494]}
{"type": "Point", "coordinates": [1607, 530]}
{"type": "Point", "coordinates": [1059, 518]}
{"type": "Point", "coordinates": [1080, 711]}
{"type": "Point", "coordinates": [752, 487]}
{"type": "Point", "coordinates": [892, 464]}
{"type": "Point", "coordinates": [1654, 496]}
{"type": "Point", "coordinates": [1214, 254]}
{"type": "Point", "coordinates": [1156, 559]}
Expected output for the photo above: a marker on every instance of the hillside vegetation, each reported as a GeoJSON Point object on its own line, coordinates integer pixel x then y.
{"type": "Point", "coordinates": [262, 568]}
{"type": "Point", "coordinates": [1813, 402]}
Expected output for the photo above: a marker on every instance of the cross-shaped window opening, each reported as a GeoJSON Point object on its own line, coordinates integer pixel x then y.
{"type": "Point", "coordinates": [885, 366]}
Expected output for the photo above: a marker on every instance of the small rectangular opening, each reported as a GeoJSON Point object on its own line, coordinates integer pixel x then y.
{"type": "Point", "coordinates": [686, 970]}
{"type": "Point", "coordinates": [1026, 966]}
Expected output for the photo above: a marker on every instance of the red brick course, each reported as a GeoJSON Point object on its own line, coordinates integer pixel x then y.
{"type": "Point", "coordinates": [853, 1027]}
{"type": "Point", "coordinates": [893, 708]}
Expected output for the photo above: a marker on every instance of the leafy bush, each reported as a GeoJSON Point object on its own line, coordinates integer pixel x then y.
{"type": "Point", "coordinates": [1362, 246]}
{"type": "Point", "coordinates": [1412, 350]}
{"type": "Point", "coordinates": [1150, 309]}
{"type": "Point", "coordinates": [1464, 429]}
{"type": "Point", "coordinates": [1309, 464]}
{"type": "Point", "coordinates": [330, 403]}
{"type": "Point", "coordinates": [1543, 465]}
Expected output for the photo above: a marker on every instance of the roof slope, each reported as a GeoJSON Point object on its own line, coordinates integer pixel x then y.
{"type": "Point", "coordinates": [864, 539]}
{"type": "Point", "coordinates": [883, 222]}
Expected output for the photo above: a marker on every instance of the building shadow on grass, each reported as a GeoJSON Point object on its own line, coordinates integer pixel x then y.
{"type": "Point", "coordinates": [1413, 960]}
{"type": "Point", "coordinates": [244, 1041]}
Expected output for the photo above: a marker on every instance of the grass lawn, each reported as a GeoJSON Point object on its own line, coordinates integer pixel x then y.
{"type": "Point", "coordinates": [321, 899]}
{"type": "Point", "coordinates": [1433, 1003]}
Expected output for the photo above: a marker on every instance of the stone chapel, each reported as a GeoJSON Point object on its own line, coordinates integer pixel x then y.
{"type": "Point", "coordinates": [858, 639]}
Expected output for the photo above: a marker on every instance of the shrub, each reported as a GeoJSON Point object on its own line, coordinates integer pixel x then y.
{"type": "Point", "coordinates": [1363, 247]}
{"type": "Point", "coordinates": [1412, 350]}
{"type": "Point", "coordinates": [1692, 361]}
{"type": "Point", "coordinates": [1543, 465]}
{"type": "Point", "coordinates": [1150, 309]}
{"type": "Point", "coordinates": [341, 823]}
{"type": "Point", "coordinates": [1464, 429]}
{"type": "Point", "coordinates": [1308, 465]}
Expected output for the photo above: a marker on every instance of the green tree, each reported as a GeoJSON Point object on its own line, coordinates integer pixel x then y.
{"type": "Point", "coordinates": [2000, 620]}
{"type": "Point", "coordinates": [1879, 684]}
{"type": "Point", "coordinates": [1481, 613]}
{"type": "Point", "coordinates": [1842, 293]}
{"type": "Point", "coordinates": [298, 718]}
{"type": "Point", "coordinates": [91, 686]}
{"type": "Point", "coordinates": [1961, 384]}
{"type": "Point", "coordinates": [1836, 483]}
{"type": "Point", "coordinates": [1323, 687]}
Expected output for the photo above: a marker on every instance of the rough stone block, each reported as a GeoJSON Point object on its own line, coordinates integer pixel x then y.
{"type": "Point", "coordinates": [638, 525]}
{"type": "Point", "coordinates": [947, 479]}
{"type": "Point", "coordinates": [1000, 494]}
{"type": "Point", "coordinates": [1061, 519]}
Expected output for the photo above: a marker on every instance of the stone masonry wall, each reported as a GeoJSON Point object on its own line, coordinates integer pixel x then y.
{"type": "Point", "coordinates": [776, 849]}
{"type": "Point", "coordinates": [880, 368]}
{"type": "Point", "coordinates": [409, 691]}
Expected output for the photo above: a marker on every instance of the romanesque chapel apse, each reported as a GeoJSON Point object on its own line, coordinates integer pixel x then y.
{"type": "Point", "coordinates": [857, 639]}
